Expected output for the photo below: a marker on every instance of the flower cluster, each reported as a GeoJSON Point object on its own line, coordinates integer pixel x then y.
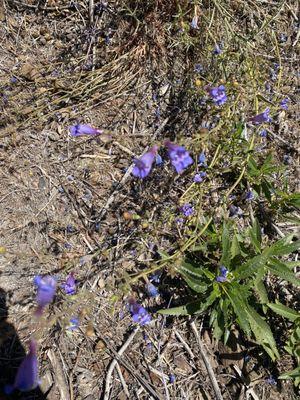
{"type": "Point", "coordinates": [218, 95]}
{"type": "Point", "coordinates": [179, 156]}
{"type": "Point", "coordinates": [187, 210]}
{"type": "Point", "coordinates": [198, 178]}
{"type": "Point", "coordinates": [223, 274]}
{"type": "Point", "coordinates": [139, 314]}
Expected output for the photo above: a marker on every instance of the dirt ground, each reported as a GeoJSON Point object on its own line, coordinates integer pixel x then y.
{"type": "Point", "coordinates": [63, 199]}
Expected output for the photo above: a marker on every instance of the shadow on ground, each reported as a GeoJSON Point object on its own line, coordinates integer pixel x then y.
{"type": "Point", "coordinates": [11, 355]}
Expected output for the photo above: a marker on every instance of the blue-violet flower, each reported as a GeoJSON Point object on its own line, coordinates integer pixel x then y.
{"type": "Point", "coordinates": [70, 284]}
{"type": "Point", "coordinates": [143, 164]}
{"type": "Point", "coordinates": [83, 129]}
{"type": "Point", "coordinates": [27, 377]}
{"type": "Point", "coordinates": [261, 118]}
{"type": "Point", "coordinates": [218, 95]}
{"type": "Point", "coordinates": [179, 156]}
{"type": "Point", "coordinates": [223, 274]}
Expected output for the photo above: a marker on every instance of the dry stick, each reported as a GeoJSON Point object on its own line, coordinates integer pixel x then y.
{"type": "Point", "coordinates": [59, 375]}
{"type": "Point", "coordinates": [115, 362]}
{"type": "Point", "coordinates": [127, 174]}
{"type": "Point", "coordinates": [207, 364]}
{"type": "Point", "coordinates": [123, 381]}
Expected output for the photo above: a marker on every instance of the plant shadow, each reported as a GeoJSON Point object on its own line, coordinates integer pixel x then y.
{"type": "Point", "coordinates": [11, 355]}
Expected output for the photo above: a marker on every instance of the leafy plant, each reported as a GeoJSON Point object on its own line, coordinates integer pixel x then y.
{"type": "Point", "coordinates": [232, 287]}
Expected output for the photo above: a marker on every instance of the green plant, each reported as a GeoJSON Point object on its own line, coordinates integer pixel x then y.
{"type": "Point", "coordinates": [239, 295]}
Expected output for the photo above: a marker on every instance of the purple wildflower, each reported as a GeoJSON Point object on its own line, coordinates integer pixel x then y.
{"type": "Point", "coordinates": [198, 68]}
{"type": "Point", "coordinates": [172, 378]}
{"type": "Point", "coordinates": [70, 284]}
{"type": "Point", "coordinates": [46, 287]}
{"type": "Point", "coordinates": [143, 164]}
{"type": "Point", "coordinates": [223, 274]}
{"type": "Point", "coordinates": [187, 210]}
{"type": "Point", "coordinates": [249, 196]}
{"type": "Point", "coordinates": [217, 50]}
{"type": "Point", "coordinates": [261, 118]}
{"type": "Point", "coordinates": [194, 23]}
{"type": "Point", "coordinates": [81, 129]}
{"type": "Point", "coordinates": [74, 324]}
{"type": "Point", "coordinates": [287, 159]}
{"type": "Point", "coordinates": [179, 156]}
{"type": "Point", "coordinates": [283, 38]}
{"type": "Point", "coordinates": [202, 160]}
{"type": "Point", "coordinates": [271, 380]}
{"type": "Point", "coordinates": [198, 178]}
{"type": "Point", "coordinates": [263, 133]}
{"type": "Point", "coordinates": [155, 277]}
{"type": "Point", "coordinates": [139, 314]}
{"type": "Point", "coordinates": [152, 290]}
{"type": "Point", "coordinates": [158, 159]}
{"type": "Point", "coordinates": [235, 211]}
{"type": "Point", "coordinates": [27, 377]}
{"type": "Point", "coordinates": [179, 221]}
{"type": "Point", "coordinates": [284, 103]}
{"type": "Point", "coordinates": [218, 95]}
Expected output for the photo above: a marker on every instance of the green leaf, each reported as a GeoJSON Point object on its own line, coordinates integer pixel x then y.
{"type": "Point", "coordinates": [251, 321]}
{"type": "Point", "coordinates": [284, 311]}
{"type": "Point", "coordinates": [225, 260]}
{"type": "Point", "coordinates": [239, 304]}
{"type": "Point", "coordinates": [253, 167]}
{"type": "Point", "coordinates": [235, 249]}
{"type": "Point", "coordinates": [294, 374]}
{"type": "Point", "coordinates": [292, 199]}
{"type": "Point", "coordinates": [262, 332]}
{"type": "Point", "coordinates": [278, 268]}
{"type": "Point", "coordinates": [197, 272]}
{"type": "Point", "coordinates": [188, 309]}
{"type": "Point", "coordinates": [261, 291]}
{"type": "Point", "coordinates": [255, 236]}
{"type": "Point", "coordinates": [196, 307]}
{"type": "Point", "coordinates": [197, 285]}
{"type": "Point", "coordinates": [253, 265]}
{"type": "Point", "coordinates": [284, 246]}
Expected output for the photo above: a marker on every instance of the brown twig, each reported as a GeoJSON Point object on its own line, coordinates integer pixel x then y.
{"type": "Point", "coordinates": [209, 369]}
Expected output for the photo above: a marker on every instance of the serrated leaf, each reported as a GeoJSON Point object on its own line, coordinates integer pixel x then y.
{"type": "Point", "coordinates": [197, 285]}
{"type": "Point", "coordinates": [196, 272]}
{"type": "Point", "coordinates": [278, 268]}
{"type": "Point", "coordinates": [284, 311]}
{"type": "Point", "coordinates": [255, 236]}
{"type": "Point", "coordinates": [187, 309]}
{"type": "Point", "coordinates": [261, 291]}
{"type": "Point", "coordinates": [252, 266]}
{"type": "Point", "coordinates": [284, 246]}
{"type": "Point", "coordinates": [294, 374]}
{"type": "Point", "coordinates": [239, 304]}
{"type": "Point", "coordinates": [262, 332]}
{"type": "Point", "coordinates": [225, 260]}
{"type": "Point", "coordinates": [196, 307]}
{"type": "Point", "coordinates": [253, 167]}
{"type": "Point", "coordinates": [235, 249]}
{"type": "Point", "coordinates": [267, 189]}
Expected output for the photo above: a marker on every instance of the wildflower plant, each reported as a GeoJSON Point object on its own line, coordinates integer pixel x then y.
{"type": "Point", "coordinates": [231, 289]}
